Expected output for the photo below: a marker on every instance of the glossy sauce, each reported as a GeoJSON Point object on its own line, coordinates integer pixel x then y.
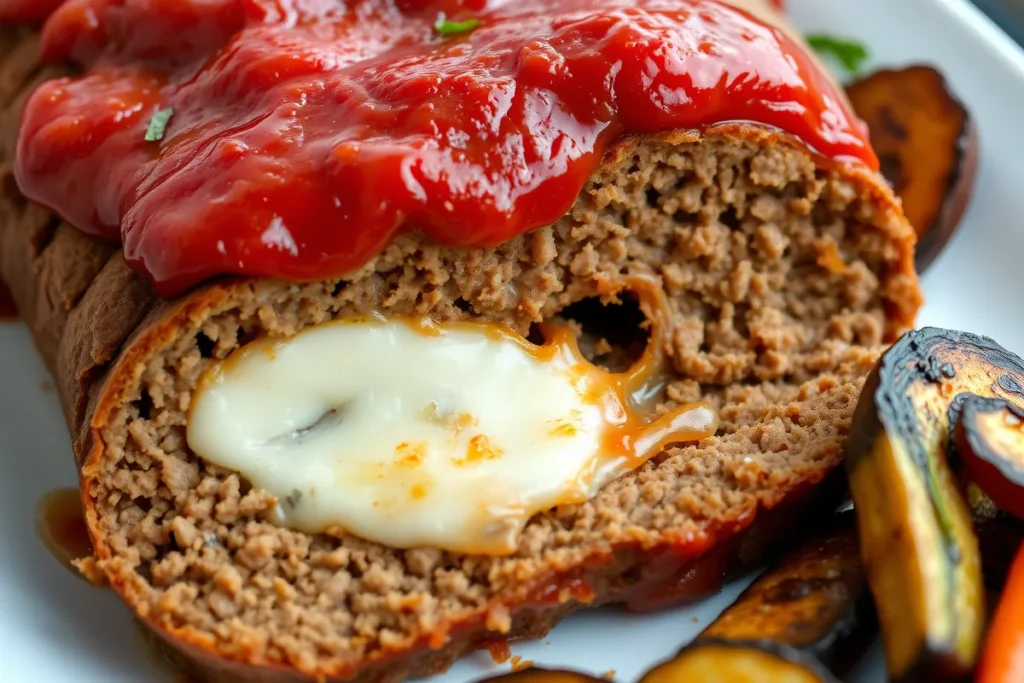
{"type": "Point", "coordinates": [499, 651]}
{"type": "Point", "coordinates": [307, 134]}
{"type": "Point", "coordinates": [8, 309]}
{"type": "Point", "coordinates": [61, 527]}
{"type": "Point", "coordinates": [671, 579]}
{"type": "Point", "coordinates": [27, 11]}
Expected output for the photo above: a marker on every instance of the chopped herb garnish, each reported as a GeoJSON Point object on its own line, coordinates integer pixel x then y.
{"type": "Point", "coordinates": [158, 125]}
{"type": "Point", "coordinates": [451, 28]}
{"type": "Point", "coordinates": [850, 53]}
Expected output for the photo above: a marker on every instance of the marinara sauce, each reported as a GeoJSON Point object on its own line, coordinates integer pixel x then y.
{"type": "Point", "coordinates": [301, 136]}
{"type": "Point", "coordinates": [27, 11]}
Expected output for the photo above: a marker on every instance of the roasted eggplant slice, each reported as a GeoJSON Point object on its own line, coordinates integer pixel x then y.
{"type": "Point", "coordinates": [712, 661]}
{"type": "Point", "coordinates": [534, 675]}
{"type": "Point", "coordinates": [916, 533]}
{"type": "Point", "coordinates": [815, 600]}
{"type": "Point", "coordinates": [989, 438]}
{"type": "Point", "coordinates": [928, 147]}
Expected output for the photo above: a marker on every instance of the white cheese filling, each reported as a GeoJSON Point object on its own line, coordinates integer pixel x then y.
{"type": "Point", "coordinates": [410, 439]}
{"type": "Point", "coordinates": [412, 434]}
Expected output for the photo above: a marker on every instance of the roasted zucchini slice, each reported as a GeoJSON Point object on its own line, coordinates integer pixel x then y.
{"type": "Point", "coordinates": [733, 661]}
{"type": "Point", "coordinates": [916, 533]}
{"type": "Point", "coordinates": [927, 144]}
{"type": "Point", "coordinates": [815, 599]}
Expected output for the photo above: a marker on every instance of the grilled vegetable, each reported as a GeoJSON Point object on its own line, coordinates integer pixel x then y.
{"type": "Point", "coordinates": [712, 661]}
{"type": "Point", "coordinates": [990, 444]}
{"type": "Point", "coordinates": [928, 147]}
{"type": "Point", "coordinates": [916, 533]}
{"type": "Point", "coordinates": [1003, 660]}
{"type": "Point", "coordinates": [989, 438]}
{"type": "Point", "coordinates": [815, 600]}
{"type": "Point", "coordinates": [533, 675]}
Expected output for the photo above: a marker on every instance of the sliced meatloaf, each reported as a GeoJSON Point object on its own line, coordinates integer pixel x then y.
{"type": "Point", "coordinates": [783, 278]}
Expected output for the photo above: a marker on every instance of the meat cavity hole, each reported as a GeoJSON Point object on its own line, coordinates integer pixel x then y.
{"type": "Point", "coordinates": [613, 336]}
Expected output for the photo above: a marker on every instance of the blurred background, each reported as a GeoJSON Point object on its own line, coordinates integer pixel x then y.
{"type": "Point", "coordinates": [1009, 14]}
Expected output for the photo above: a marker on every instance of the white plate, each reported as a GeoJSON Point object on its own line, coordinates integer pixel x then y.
{"type": "Point", "coordinates": [55, 628]}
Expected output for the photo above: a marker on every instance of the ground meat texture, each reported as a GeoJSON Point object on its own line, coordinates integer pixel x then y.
{"type": "Point", "coordinates": [784, 278]}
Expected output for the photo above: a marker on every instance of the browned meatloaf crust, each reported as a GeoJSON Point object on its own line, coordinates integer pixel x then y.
{"type": "Point", "coordinates": [783, 278]}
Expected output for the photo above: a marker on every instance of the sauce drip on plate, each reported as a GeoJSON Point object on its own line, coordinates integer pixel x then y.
{"type": "Point", "coordinates": [61, 527]}
{"type": "Point", "coordinates": [296, 138]}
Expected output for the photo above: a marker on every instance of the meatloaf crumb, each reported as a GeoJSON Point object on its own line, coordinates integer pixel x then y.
{"type": "Point", "coordinates": [783, 277]}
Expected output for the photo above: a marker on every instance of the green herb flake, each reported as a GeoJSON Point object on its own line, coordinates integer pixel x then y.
{"type": "Point", "coordinates": [158, 125]}
{"type": "Point", "coordinates": [850, 53]}
{"type": "Point", "coordinates": [451, 28]}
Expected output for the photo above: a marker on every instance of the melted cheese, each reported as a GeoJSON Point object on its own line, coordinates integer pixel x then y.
{"type": "Point", "coordinates": [411, 434]}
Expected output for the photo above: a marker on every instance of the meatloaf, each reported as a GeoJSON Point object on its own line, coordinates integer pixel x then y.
{"type": "Point", "coordinates": [784, 276]}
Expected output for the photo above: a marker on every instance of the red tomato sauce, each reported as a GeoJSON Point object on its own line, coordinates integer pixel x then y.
{"type": "Point", "coordinates": [27, 11]}
{"type": "Point", "coordinates": [307, 134]}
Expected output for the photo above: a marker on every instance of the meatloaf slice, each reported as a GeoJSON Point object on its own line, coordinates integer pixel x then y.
{"type": "Point", "coordinates": [783, 277]}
